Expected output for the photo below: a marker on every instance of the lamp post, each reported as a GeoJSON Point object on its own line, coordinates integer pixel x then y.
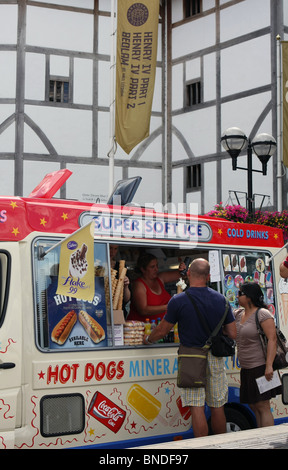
{"type": "Point", "coordinates": [264, 145]}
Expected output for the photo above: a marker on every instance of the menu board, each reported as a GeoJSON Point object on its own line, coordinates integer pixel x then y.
{"type": "Point", "coordinates": [247, 267]}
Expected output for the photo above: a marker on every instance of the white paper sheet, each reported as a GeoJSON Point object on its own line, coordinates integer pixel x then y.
{"type": "Point", "coordinates": [264, 384]}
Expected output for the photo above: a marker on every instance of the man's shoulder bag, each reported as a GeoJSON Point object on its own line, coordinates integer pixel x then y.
{"type": "Point", "coordinates": [192, 361]}
{"type": "Point", "coordinates": [221, 345]}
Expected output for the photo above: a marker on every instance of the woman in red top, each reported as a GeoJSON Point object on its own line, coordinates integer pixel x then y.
{"type": "Point", "coordinates": [149, 297]}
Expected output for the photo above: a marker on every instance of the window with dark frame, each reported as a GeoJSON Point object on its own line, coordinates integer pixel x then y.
{"type": "Point", "coordinates": [59, 90]}
{"type": "Point", "coordinates": [193, 94]}
{"type": "Point", "coordinates": [193, 177]}
{"type": "Point", "coordinates": [192, 7]}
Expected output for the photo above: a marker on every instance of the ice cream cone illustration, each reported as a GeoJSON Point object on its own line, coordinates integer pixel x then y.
{"type": "Point", "coordinates": [283, 290]}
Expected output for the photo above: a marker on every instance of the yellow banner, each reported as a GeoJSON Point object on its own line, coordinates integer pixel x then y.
{"type": "Point", "coordinates": [137, 32]}
{"type": "Point", "coordinates": [76, 268]}
{"type": "Point", "coordinates": [285, 101]}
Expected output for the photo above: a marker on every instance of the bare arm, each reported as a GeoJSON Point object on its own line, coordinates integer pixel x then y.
{"type": "Point", "coordinates": [159, 332]}
{"type": "Point", "coordinates": [230, 330]}
{"type": "Point", "coordinates": [270, 331]}
{"type": "Point", "coordinates": [174, 275]}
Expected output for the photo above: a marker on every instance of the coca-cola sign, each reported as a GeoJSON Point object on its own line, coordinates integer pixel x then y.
{"type": "Point", "coordinates": [107, 412]}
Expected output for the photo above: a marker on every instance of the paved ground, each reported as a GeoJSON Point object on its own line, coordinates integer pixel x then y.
{"type": "Point", "coordinates": [275, 437]}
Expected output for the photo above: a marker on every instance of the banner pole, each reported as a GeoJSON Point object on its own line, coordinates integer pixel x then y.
{"type": "Point", "coordinates": [279, 126]}
{"type": "Point", "coordinates": [111, 153]}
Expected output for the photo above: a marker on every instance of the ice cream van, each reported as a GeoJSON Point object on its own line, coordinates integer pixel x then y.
{"type": "Point", "coordinates": [73, 373]}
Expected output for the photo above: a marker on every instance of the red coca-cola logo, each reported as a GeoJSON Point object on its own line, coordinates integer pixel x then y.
{"type": "Point", "coordinates": [107, 412]}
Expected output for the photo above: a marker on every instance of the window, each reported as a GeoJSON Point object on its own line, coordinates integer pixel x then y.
{"type": "Point", "coordinates": [5, 267]}
{"type": "Point", "coordinates": [62, 415]}
{"type": "Point", "coordinates": [192, 7]}
{"type": "Point", "coordinates": [247, 266]}
{"type": "Point", "coordinates": [193, 94]}
{"type": "Point", "coordinates": [51, 308]}
{"type": "Point", "coordinates": [59, 91]}
{"type": "Point", "coordinates": [193, 177]}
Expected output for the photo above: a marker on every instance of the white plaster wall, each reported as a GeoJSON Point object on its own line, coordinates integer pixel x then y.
{"type": "Point", "coordinates": [69, 130]}
{"type": "Point", "coordinates": [83, 81]}
{"type": "Point", "coordinates": [251, 15]}
{"type": "Point", "coordinates": [90, 182]}
{"type": "Point", "coordinates": [150, 189]}
{"type": "Point", "coordinates": [193, 35]}
{"type": "Point", "coordinates": [59, 29]}
{"type": "Point", "coordinates": [246, 66]}
{"type": "Point", "coordinates": [34, 76]}
{"type": "Point", "coordinates": [7, 74]}
{"type": "Point", "coordinates": [7, 177]}
{"type": "Point", "coordinates": [8, 24]}
{"type": "Point", "coordinates": [7, 137]}
{"type": "Point", "coordinates": [198, 129]}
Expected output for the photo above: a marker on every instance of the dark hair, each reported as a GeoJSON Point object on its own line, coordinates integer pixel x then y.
{"type": "Point", "coordinates": [254, 292]}
{"type": "Point", "coordinates": [144, 259]}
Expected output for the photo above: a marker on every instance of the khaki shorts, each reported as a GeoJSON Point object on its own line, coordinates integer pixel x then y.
{"type": "Point", "coordinates": [215, 394]}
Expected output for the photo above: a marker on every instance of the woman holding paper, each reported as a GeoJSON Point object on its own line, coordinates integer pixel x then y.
{"type": "Point", "coordinates": [250, 354]}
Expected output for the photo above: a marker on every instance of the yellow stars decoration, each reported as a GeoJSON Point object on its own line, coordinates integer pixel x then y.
{"type": "Point", "coordinates": [43, 221]}
{"type": "Point", "coordinates": [220, 231]}
{"type": "Point", "coordinates": [64, 216]}
{"type": "Point", "coordinates": [15, 231]}
{"type": "Point", "coordinates": [13, 204]}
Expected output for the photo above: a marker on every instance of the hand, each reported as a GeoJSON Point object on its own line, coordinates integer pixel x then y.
{"type": "Point", "coordinates": [182, 266]}
{"type": "Point", "coordinates": [269, 373]}
{"type": "Point", "coordinates": [145, 340]}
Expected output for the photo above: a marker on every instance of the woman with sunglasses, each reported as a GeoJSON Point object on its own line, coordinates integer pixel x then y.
{"type": "Point", "coordinates": [250, 354]}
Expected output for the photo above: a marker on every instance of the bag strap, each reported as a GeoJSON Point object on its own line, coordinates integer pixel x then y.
{"type": "Point", "coordinates": [259, 327]}
{"type": "Point", "coordinates": [203, 320]}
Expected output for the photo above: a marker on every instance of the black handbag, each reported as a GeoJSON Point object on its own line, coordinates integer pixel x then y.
{"type": "Point", "coordinates": [280, 361]}
{"type": "Point", "coordinates": [221, 345]}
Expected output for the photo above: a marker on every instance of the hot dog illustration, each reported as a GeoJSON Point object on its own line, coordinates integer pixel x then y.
{"type": "Point", "coordinates": [64, 327]}
{"type": "Point", "coordinates": [92, 327]}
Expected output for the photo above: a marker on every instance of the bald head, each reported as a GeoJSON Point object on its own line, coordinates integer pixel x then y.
{"type": "Point", "coordinates": [199, 272]}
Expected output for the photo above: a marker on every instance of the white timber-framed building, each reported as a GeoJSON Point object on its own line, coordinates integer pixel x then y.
{"type": "Point", "coordinates": [217, 67]}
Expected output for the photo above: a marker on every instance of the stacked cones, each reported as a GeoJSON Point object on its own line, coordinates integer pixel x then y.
{"type": "Point", "coordinates": [118, 285]}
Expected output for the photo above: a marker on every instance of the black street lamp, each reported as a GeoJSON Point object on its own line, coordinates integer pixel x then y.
{"type": "Point", "coordinates": [264, 145]}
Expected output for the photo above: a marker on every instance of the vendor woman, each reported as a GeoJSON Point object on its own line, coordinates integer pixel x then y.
{"type": "Point", "coordinates": [149, 297]}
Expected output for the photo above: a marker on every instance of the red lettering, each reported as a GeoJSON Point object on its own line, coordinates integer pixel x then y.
{"type": "Point", "coordinates": [111, 370]}
{"type": "Point", "coordinates": [74, 369]}
{"type": "Point", "coordinates": [65, 373]}
{"type": "Point", "coordinates": [88, 372]}
{"type": "Point", "coordinates": [52, 375]}
{"type": "Point", "coordinates": [120, 370]}
{"type": "Point", "coordinates": [100, 371]}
